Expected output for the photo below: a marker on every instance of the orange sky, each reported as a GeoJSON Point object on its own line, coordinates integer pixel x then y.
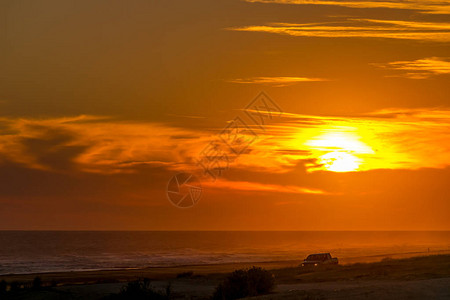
{"type": "Point", "coordinates": [103, 102]}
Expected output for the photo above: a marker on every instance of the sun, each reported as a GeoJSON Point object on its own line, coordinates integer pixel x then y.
{"type": "Point", "coordinates": [339, 151]}
{"type": "Point", "coordinates": [339, 162]}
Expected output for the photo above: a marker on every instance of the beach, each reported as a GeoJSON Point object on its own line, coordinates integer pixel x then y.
{"type": "Point", "coordinates": [29, 252]}
{"type": "Point", "coordinates": [98, 265]}
{"type": "Point", "coordinates": [413, 277]}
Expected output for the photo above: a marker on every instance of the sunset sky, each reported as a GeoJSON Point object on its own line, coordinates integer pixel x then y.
{"type": "Point", "coordinates": [103, 102]}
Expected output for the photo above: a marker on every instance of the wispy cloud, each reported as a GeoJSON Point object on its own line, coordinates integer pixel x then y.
{"type": "Point", "coordinates": [418, 69]}
{"type": "Point", "coordinates": [388, 139]}
{"type": "Point", "coordinates": [423, 6]}
{"type": "Point", "coordinates": [276, 81]}
{"type": "Point", "coordinates": [96, 144]}
{"type": "Point", "coordinates": [187, 116]}
{"type": "Point", "coordinates": [263, 187]}
{"type": "Point", "coordinates": [361, 28]}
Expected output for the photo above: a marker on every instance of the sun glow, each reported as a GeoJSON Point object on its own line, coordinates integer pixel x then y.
{"type": "Point", "coordinates": [338, 151]}
{"type": "Point", "coordinates": [339, 161]}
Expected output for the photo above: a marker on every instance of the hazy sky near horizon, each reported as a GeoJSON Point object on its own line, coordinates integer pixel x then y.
{"type": "Point", "coordinates": [102, 102]}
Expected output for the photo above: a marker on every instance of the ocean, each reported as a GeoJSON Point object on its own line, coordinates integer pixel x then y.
{"type": "Point", "coordinates": [24, 252]}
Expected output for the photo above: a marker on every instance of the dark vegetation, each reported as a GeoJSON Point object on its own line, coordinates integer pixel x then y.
{"type": "Point", "coordinates": [37, 283]}
{"type": "Point", "coordinates": [16, 288]}
{"type": "Point", "coordinates": [3, 286]}
{"type": "Point", "coordinates": [188, 274]}
{"type": "Point", "coordinates": [245, 283]}
{"type": "Point", "coordinates": [141, 289]}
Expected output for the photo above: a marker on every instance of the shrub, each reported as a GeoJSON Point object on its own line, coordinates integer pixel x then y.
{"type": "Point", "coordinates": [260, 281]}
{"type": "Point", "coordinates": [3, 286]}
{"type": "Point", "coordinates": [187, 274]}
{"type": "Point", "coordinates": [54, 283]}
{"type": "Point", "coordinates": [245, 283]}
{"type": "Point", "coordinates": [168, 290]}
{"type": "Point", "coordinates": [37, 283]}
{"type": "Point", "coordinates": [140, 289]}
{"type": "Point", "coordinates": [15, 286]}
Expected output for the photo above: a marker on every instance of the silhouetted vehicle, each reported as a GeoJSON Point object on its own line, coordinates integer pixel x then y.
{"type": "Point", "coordinates": [317, 259]}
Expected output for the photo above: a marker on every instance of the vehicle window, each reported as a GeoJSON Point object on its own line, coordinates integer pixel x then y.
{"type": "Point", "coordinates": [318, 257]}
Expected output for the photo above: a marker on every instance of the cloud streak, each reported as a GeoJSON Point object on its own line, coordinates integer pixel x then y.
{"type": "Point", "coordinates": [423, 6]}
{"type": "Point", "coordinates": [275, 81]}
{"type": "Point", "coordinates": [420, 68]}
{"type": "Point", "coordinates": [359, 28]}
{"type": "Point", "coordinates": [96, 144]}
{"type": "Point", "coordinates": [263, 187]}
{"type": "Point", "coordinates": [387, 139]}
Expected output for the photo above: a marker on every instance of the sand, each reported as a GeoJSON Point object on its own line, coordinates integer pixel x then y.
{"type": "Point", "coordinates": [423, 277]}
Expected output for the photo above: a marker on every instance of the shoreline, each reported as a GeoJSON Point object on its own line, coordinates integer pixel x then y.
{"type": "Point", "coordinates": [414, 277]}
{"type": "Point", "coordinates": [157, 272]}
